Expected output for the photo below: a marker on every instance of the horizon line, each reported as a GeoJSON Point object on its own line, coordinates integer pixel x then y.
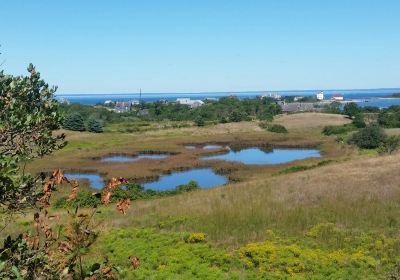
{"type": "Point", "coordinates": [224, 92]}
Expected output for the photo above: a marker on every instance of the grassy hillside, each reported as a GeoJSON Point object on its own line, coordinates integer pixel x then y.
{"type": "Point", "coordinates": [330, 218]}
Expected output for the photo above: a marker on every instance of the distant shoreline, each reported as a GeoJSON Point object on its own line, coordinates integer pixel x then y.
{"type": "Point", "coordinates": [343, 91]}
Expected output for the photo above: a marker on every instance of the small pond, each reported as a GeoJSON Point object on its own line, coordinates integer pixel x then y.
{"type": "Point", "coordinates": [127, 158]}
{"type": "Point", "coordinates": [190, 147]}
{"type": "Point", "coordinates": [205, 177]}
{"type": "Point", "coordinates": [265, 157]}
{"type": "Point", "coordinates": [205, 147]}
{"type": "Point", "coordinates": [212, 146]}
{"type": "Point", "coordinates": [95, 180]}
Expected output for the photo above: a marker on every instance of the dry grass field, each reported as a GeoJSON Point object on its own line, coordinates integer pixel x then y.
{"type": "Point", "coordinates": [359, 194]}
{"type": "Point", "coordinates": [310, 120]}
{"type": "Point", "coordinates": [350, 201]}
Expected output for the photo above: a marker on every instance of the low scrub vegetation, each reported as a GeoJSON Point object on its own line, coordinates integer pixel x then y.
{"type": "Point", "coordinates": [341, 129]}
{"type": "Point", "coordinates": [325, 251]}
{"type": "Point", "coordinates": [277, 128]}
{"type": "Point", "coordinates": [85, 198]}
{"type": "Point", "coordinates": [370, 137]}
{"type": "Point", "coordinates": [298, 168]}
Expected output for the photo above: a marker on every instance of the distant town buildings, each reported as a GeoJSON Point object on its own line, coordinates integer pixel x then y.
{"type": "Point", "coordinates": [320, 96]}
{"type": "Point", "coordinates": [191, 103]}
{"type": "Point", "coordinates": [296, 107]}
{"type": "Point", "coordinates": [273, 95]}
{"type": "Point", "coordinates": [121, 106]}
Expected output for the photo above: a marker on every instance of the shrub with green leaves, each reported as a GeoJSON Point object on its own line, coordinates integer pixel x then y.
{"type": "Point", "coordinates": [338, 129]}
{"type": "Point", "coordinates": [85, 198]}
{"type": "Point", "coordinates": [277, 128]}
{"type": "Point", "coordinates": [358, 121]}
{"type": "Point", "coordinates": [199, 121]}
{"type": "Point", "coordinates": [390, 145]}
{"type": "Point", "coordinates": [370, 137]}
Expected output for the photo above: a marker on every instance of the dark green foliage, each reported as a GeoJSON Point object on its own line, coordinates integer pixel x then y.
{"type": "Point", "coordinates": [277, 128]}
{"type": "Point", "coordinates": [74, 122]}
{"type": "Point", "coordinates": [351, 109]}
{"type": "Point", "coordinates": [298, 168]}
{"type": "Point", "coordinates": [358, 121]}
{"type": "Point", "coordinates": [370, 137]}
{"type": "Point", "coordinates": [333, 108]}
{"type": "Point", "coordinates": [21, 261]}
{"type": "Point", "coordinates": [390, 145]}
{"type": "Point", "coordinates": [199, 121]}
{"type": "Point", "coordinates": [86, 198]}
{"type": "Point", "coordinates": [390, 117]}
{"type": "Point", "coordinates": [237, 116]}
{"type": "Point", "coordinates": [95, 126]}
{"type": "Point", "coordinates": [226, 109]}
{"type": "Point", "coordinates": [340, 129]}
{"type": "Point", "coordinates": [28, 115]}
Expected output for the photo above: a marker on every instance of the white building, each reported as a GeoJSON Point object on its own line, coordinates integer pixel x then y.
{"type": "Point", "coordinates": [320, 96]}
{"type": "Point", "coordinates": [189, 102]}
{"type": "Point", "coordinates": [337, 98]}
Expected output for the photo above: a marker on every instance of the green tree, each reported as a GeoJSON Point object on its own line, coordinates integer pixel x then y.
{"type": "Point", "coordinates": [370, 137]}
{"type": "Point", "coordinates": [95, 126]}
{"type": "Point", "coordinates": [351, 109]}
{"type": "Point", "coordinates": [236, 116]}
{"type": "Point", "coordinates": [28, 117]}
{"type": "Point", "coordinates": [199, 121]}
{"type": "Point", "coordinates": [358, 121]}
{"type": "Point", "coordinates": [74, 122]}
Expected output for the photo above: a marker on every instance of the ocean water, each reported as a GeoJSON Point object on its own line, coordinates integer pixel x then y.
{"type": "Point", "coordinates": [372, 95]}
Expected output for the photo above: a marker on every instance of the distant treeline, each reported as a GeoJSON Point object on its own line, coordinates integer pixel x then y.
{"type": "Point", "coordinates": [224, 110]}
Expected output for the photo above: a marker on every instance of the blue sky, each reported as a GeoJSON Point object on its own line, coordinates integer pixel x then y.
{"type": "Point", "coordinates": [206, 45]}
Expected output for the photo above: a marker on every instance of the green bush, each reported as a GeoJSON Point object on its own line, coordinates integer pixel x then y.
{"type": "Point", "coordinates": [390, 145]}
{"type": "Point", "coordinates": [351, 109]}
{"type": "Point", "coordinates": [74, 122]}
{"type": "Point", "coordinates": [358, 121]}
{"type": "Point", "coordinates": [237, 116]}
{"type": "Point", "coordinates": [199, 121]}
{"type": "Point", "coordinates": [85, 198]}
{"type": "Point", "coordinates": [277, 128]}
{"type": "Point", "coordinates": [334, 130]}
{"type": "Point", "coordinates": [95, 126]}
{"type": "Point", "coordinates": [370, 137]}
